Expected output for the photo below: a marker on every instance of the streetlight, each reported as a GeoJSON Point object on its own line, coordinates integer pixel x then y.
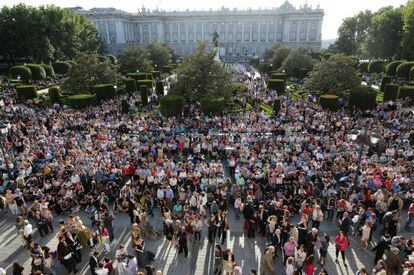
{"type": "Point", "coordinates": [363, 137]}
{"type": "Point", "coordinates": [4, 128]}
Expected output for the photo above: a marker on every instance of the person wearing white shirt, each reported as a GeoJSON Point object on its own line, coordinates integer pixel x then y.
{"type": "Point", "coordinates": [101, 270]}
{"type": "Point", "coordinates": [27, 231]}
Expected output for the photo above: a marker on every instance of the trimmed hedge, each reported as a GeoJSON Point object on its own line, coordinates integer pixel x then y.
{"type": "Point", "coordinates": [329, 102]}
{"type": "Point", "coordinates": [145, 82]}
{"type": "Point", "coordinates": [277, 75]}
{"type": "Point", "coordinates": [363, 67]}
{"type": "Point", "coordinates": [277, 85]}
{"type": "Point", "coordinates": [143, 90]}
{"type": "Point", "coordinates": [139, 76]}
{"type": "Point", "coordinates": [61, 67]}
{"type": "Point", "coordinates": [124, 106]}
{"type": "Point", "coordinates": [49, 70]}
{"type": "Point", "coordinates": [376, 66]}
{"type": "Point", "coordinates": [104, 91]}
{"type": "Point", "coordinates": [156, 74]}
{"type": "Point", "coordinates": [363, 97]}
{"type": "Point", "coordinates": [54, 94]}
{"type": "Point", "coordinates": [406, 91]}
{"type": "Point", "coordinates": [82, 100]}
{"type": "Point", "coordinates": [411, 74]}
{"type": "Point", "coordinates": [167, 68]}
{"type": "Point", "coordinates": [403, 70]}
{"type": "Point", "coordinates": [392, 67]}
{"type": "Point", "coordinates": [391, 92]}
{"type": "Point", "coordinates": [384, 81]}
{"type": "Point", "coordinates": [276, 106]}
{"type": "Point", "coordinates": [213, 105]}
{"type": "Point", "coordinates": [159, 88]}
{"type": "Point", "coordinates": [27, 91]}
{"type": "Point", "coordinates": [23, 72]}
{"type": "Point", "coordinates": [238, 87]}
{"type": "Point", "coordinates": [130, 85]}
{"type": "Point", "coordinates": [171, 105]}
{"type": "Point", "coordinates": [38, 72]}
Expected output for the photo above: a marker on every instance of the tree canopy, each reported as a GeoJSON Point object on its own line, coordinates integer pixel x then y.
{"type": "Point", "coordinates": [135, 58]}
{"type": "Point", "coordinates": [159, 54]}
{"type": "Point", "coordinates": [298, 59]}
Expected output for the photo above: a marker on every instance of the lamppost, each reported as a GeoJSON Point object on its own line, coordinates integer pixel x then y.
{"type": "Point", "coordinates": [4, 128]}
{"type": "Point", "coordinates": [363, 137]}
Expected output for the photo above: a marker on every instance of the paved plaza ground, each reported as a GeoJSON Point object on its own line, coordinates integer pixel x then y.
{"type": "Point", "coordinates": [248, 252]}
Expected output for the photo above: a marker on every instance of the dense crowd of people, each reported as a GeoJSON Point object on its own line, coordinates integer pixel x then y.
{"type": "Point", "coordinates": [283, 175]}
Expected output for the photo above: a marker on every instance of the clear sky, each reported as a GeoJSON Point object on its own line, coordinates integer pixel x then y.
{"type": "Point", "coordinates": [335, 10]}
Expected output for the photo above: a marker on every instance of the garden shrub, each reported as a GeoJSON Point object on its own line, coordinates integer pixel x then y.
{"type": "Point", "coordinates": [330, 102]}
{"type": "Point", "coordinates": [303, 73]}
{"type": "Point", "coordinates": [61, 67]}
{"type": "Point", "coordinates": [23, 72]}
{"type": "Point", "coordinates": [376, 67]}
{"type": "Point", "coordinates": [111, 58]}
{"type": "Point", "coordinates": [278, 75]}
{"type": "Point", "coordinates": [238, 87]}
{"type": "Point", "coordinates": [391, 92]}
{"type": "Point", "coordinates": [406, 91]}
{"type": "Point", "coordinates": [38, 72]}
{"type": "Point", "coordinates": [384, 81]}
{"type": "Point", "coordinates": [392, 67]}
{"type": "Point", "coordinates": [49, 70]}
{"type": "Point", "coordinates": [130, 85]}
{"type": "Point", "coordinates": [27, 91]}
{"type": "Point", "coordinates": [124, 106]}
{"type": "Point", "coordinates": [104, 91]}
{"type": "Point", "coordinates": [363, 67]}
{"type": "Point", "coordinates": [403, 70]}
{"type": "Point", "coordinates": [103, 58]}
{"type": "Point", "coordinates": [156, 74]}
{"type": "Point", "coordinates": [145, 82]}
{"type": "Point", "coordinates": [363, 97]}
{"type": "Point", "coordinates": [171, 105]}
{"type": "Point", "coordinates": [143, 90]}
{"type": "Point", "coordinates": [277, 85]}
{"type": "Point", "coordinates": [81, 100]}
{"type": "Point", "coordinates": [54, 94]}
{"type": "Point", "coordinates": [411, 74]}
{"type": "Point", "coordinates": [213, 105]}
{"type": "Point", "coordinates": [71, 62]}
{"type": "Point", "coordinates": [276, 106]}
{"type": "Point", "coordinates": [159, 88]}
{"type": "Point", "coordinates": [139, 76]}
{"type": "Point", "coordinates": [167, 68]}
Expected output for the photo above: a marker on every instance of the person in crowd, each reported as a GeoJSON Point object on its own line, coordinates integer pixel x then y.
{"type": "Point", "coordinates": [341, 244]}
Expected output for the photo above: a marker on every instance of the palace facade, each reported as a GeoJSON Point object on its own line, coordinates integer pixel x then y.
{"type": "Point", "coordinates": [242, 33]}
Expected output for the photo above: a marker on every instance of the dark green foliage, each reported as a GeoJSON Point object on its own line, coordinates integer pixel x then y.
{"type": "Point", "coordinates": [406, 91]}
{"type": "Point", "coordinates": [27, 91]}
{"type": "Point", "coordinates": [392, 67]}
{"type": "Point", "coordinates": [49, 70]}
{"type": "Point", "coordinates": [277, 75]}
{"type": "Point", "coordinates": [403, 70]}
{"type": "Point", "coordinates": [82, 100]}
{"type": "Point", "coordinates": [330, 102]}
{"type": "Point", "coordinates": [73, 62]}
{"type": "Point", "coordinates": [391, 92]}
{"type": "Point", "coordinates": [363, 97]}
{"type": "Point", "coordinates": [159, 88]}
{"type": "Point", "coordinates": [145, 82]}
{"type": "Point", "coordinates": [139, 76]}
{"type": "Point", "coordinates": [303, 73]}
{"type": "Point", "coordinates": [111, 58]}
{"type": "Point", "coordinates": [376, 66]}
{"type": "Point", "coordinates": [104, 91]}
{"type": "Point", "coordinates": [103, 58]}
{"type": "Point", "coordinates": [143, 90]}
{"type": "Point", "coordinates": [238, 87]}
{"type": "Point", "coordinates": [363, 67]}
{"type": "Point", "coordinates": [23, 72]}
{"type": "Point", "coordinates": [411, 74]}
{"type": "Point", "coordinates": [277, 85]}
{"type": "Point", "coordinates": [213, 105]}
{"type": "Point", "coordinates": [38, 72]}
{"type": "Point", "coordinates": [167, 68]}
{"type": "Point", "coordinates": [130, 85]}
{"type": "Point", "coordinates": [384, 81]}
{"type": "Point", "coordinates": [124, 106]}
{"type": "Point", "coordinates": [276, 106]}
{"type": "Point", "coordinates": [254, 62]}
{"type": "Point", "coordinates": [54, 94]}
{"type": "Point", "coordinates": [171, 105]}
{"type": "Point", "coordinates": [61, 67]}
{"type": "Point", "coordinates": [156, 74]}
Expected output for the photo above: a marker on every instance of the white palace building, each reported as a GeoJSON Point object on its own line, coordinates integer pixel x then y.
{"type": "Point", "coordinates": [242, 33]}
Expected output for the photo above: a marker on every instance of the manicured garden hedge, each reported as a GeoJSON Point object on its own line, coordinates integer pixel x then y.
{"type": "Point", "coordinates": [167, 68]}
{"type": "Point", "coordinates": [406, 91]}
{"type": "Point", "coordinates": [403, 70]}
{"type": "Point", "coordinates": [330, 102]}
{"type": "Point", "coordinates": [411, 74]}
{"type": "Point", "coordinates": [171, 105]}
{"type": "Point", "coordinates": [145, 82]}
{"type": "Point", "coordinates": [392, 67]}
{"type": "Point", "coordinates": [139, 76]}
{"type": "Point", "coordinates": [124, 106]}
{"type": "Point", "coordinates": [276, 106]}
{"type": "Point", "coordinates": [156, 74]}
{"type": "Point", "coordinates": [38, 72]}
{"type": "Point", "coordinates": [104, 91]}
{"type": "Point", "coordinates": [143, 90]}
{"type": "Point", "coordinates": [213, 105]}
{"type": "Point", "coordinates": [49, 70]}
{"type": "Point", "coordinates": [54, 94]}
{"type": "Point", "coordinates": [277, 75]}
{"type": "Point", "coordinates": [363, 67]}
{"type": "Point", "coordinates": [376, 67]}
{"type": "Point", "coordinates": [277, 85]}
{"type": "Point", "coordinates": [159, 88]}
{"type": "Point", "coordinates": [61, 67]}
{"type": "Point", "coordinates": [363, 97]}
{"type": "Point", "coordinates": [27, 91]}
{"type": "Point", "coordinates": [130, 85]}
{"type": "Point", "coordinates": [82, 100]}
{"type": "Point", "coordinates": [384, 81]}
{"type": "Point", "coordinates": [23, 72]}
{"type": "Point", "coordinates": [391, 92]}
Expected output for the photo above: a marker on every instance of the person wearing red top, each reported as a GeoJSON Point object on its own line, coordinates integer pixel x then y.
{"type": "Point", "coordinates": [341, 244]}
{"type": "Point", "coordinates": [310, 267]}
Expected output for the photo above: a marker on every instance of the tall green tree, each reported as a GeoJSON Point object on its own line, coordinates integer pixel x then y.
{"type": "Point", "coordinates": [199, 75]}
{"type": "Point", "coordinates": [159, 54]}
{"type": "Point", "coordinates": [385, 34]}
{"type": "Point", "coordinates": [279, 57]}
{"type": "Point", "coordinates": [270, 52]}
{"type": "Point", "coordinates": [135, 58]}
{"type": "Point", "coordinates": [89, 71]}
{"type": "Point", "coordinates": [408, 33]}
{"type": "Point", "coordinates": [298, 59]}
{"type": "Point", "coordinates": [336, 75]}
